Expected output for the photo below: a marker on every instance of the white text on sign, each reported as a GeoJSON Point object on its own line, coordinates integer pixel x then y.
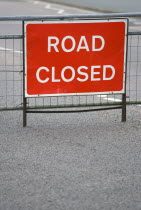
{"type": "Point", "coordinates": [54, 41]}
{"type": "Point", "coordinates": [82, 71]}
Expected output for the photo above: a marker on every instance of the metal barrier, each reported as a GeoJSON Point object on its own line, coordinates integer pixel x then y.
{"type": "Point", "coordinates": [11, 68]}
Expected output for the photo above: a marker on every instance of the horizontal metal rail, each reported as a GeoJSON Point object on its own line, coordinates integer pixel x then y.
{"type": "Point", "coordinates": [21, 36]}
{"type": "Point", "coordinates": [75, 111]}
{"type": "Point", "coordinates": [11, 36]}
{"type": "Point", "coordinates": [132, 33]}
{"type": "Point", "coordinates": [62, 17]}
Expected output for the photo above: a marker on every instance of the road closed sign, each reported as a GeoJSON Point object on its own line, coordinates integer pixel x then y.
{"type": "Point", "coordinates": [75, 57]}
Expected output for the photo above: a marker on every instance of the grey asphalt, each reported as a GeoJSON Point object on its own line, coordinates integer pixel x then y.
{"type": "Point", "coordinates": [108, 5]}
{"type": "Point", "coordinates": [85, 161]}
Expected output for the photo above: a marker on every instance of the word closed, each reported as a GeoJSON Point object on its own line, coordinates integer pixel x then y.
{"type": "Point", "coordinates": [77, 57]}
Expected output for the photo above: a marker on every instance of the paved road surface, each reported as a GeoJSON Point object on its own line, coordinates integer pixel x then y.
{"type": "Point", "coordinates": [87, 161]}
{"type": "Point", "coordinates": [14, 7]}
{"type": "Point", "coordinates": [107, 5]}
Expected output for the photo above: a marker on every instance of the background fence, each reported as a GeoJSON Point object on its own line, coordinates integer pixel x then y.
{"type": "Point", "coordinates": [11, 79]}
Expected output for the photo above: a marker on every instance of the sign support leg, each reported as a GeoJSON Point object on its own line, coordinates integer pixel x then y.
{"type": "Point", "coordinates": [24, 112]}
{"type": "Point", "coordinates": [24, 99]}
{"type": "Point", "coordinates": [124, 107]}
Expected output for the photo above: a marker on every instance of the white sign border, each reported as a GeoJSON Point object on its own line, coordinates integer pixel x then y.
{"type": "Point", "coordinates": [125, 20]}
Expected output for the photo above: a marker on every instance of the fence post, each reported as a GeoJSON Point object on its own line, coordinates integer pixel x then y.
{"type": "Point", "coordinates": [24, 99]}
{"type": "Point", "coordinates": [124, 94]}
{"type": "Point", "coordinates": [124, 107]}
{"type": "Point", "coordinates": [24, 112]}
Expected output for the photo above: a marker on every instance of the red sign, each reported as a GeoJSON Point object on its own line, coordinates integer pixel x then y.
{"type": "Point", "coordinates": [75, 57]}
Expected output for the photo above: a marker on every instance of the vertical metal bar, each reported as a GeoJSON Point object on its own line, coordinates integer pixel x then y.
{"type": "Point", "coordinates": [93, 100]}
{"type": "Point", "coordinates": [137, 68]}
{"type": "Point", "coordinates": [57, 100]}
{"type": "Point", "coordinates": [13, 70]}
{"type": "Point", "coordinates": [5, 45]}
{"type": "Point", "coordinates": [79, 100]}
{"type": "Point", "coordinates": [124, 107]}
{"type": "Point", "coordinates": [124, 94]}
{"type": "Point", "coordinates": [24, 99]}
{"type": "Point", "coordinates": [129, 69]}
{"type": "Point", "coordinates": [86, 100]}
{"type": "Point", "coordinates": [21, 72]}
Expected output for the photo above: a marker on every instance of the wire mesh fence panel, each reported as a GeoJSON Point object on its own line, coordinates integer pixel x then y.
{"type": "Point", "coordinates": [10, 73]}
{"type": "Point", "coordinates": [133, 85]}
{"type": "Point", "coordinates": [11, 80]}
{"type": "Point", "coordinates": [134, 69]}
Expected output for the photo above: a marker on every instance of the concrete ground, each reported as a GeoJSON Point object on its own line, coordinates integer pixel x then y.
{"type": "Point", "coordinates": [81, 161]}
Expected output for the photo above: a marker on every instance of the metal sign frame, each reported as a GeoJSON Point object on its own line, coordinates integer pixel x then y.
{"type": "Point", "coordinates": [123, 104]}
{"type": "Point", "coordinates": [70, 22]}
